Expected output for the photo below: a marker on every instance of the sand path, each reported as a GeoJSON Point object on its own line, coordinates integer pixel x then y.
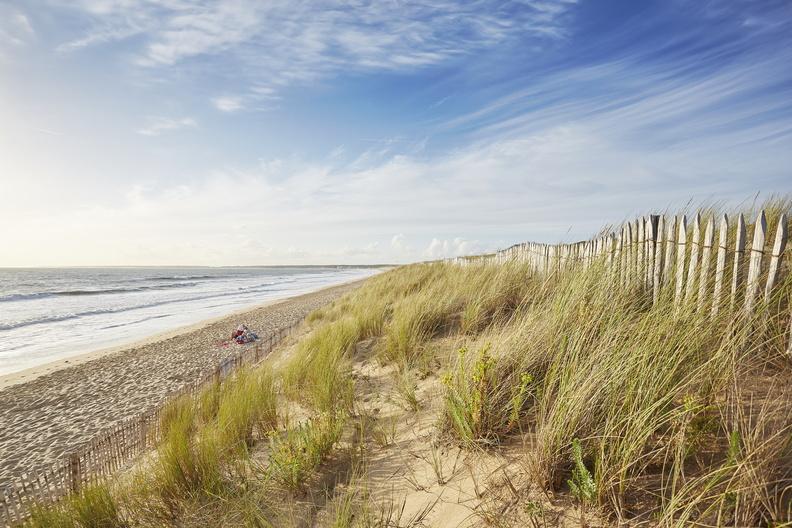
{"type": "Point", "coordinates": [43, 419]}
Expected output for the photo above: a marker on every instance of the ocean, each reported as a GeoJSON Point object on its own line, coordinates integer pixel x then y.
{"type": "Point", "coordinates": [52, 314]}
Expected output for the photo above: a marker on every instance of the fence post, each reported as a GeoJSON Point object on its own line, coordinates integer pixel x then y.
{"type": "Point", "coordinates": [75, 477]}
{"type": "Point", "coordinates": [624, 249]}
{"type": "Point", "coordinates": [143, 430]}
{"type": "Point", "coordinates": [778, 253]}
{"type": "Point", "coordinates": [709, 233]}
{"type": "Point", "coordinates": [739, 249]}
{"type": "Point", "coordinates": [720, 266]}
{"type": "Point", "coordinates": [681, 254]}
{"type": "Point", "coordinates": [668, 260]}
{"type": "Point", "coordinates": [610, 249]}
{"type": "Point", "coordinates": [634, 249]}
{"type": "Point", "coordinates": [694, 254]}
{"type": "Point", "coordinates": [630, 255]}
{"type": "Point", "coordinates": [640, 272]}
{"type": "Point", "coordinates": [546, 248]}
{"type": "Point", "coordinates": [657, 243]}
{"type": "Point", "coordinates": [651, 244]}
{"type": "Point", "coordinates": [755, 261]}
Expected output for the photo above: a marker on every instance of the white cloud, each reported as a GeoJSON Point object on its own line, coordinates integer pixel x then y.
{"type": "Point", "coordinates": [15, 27]}
{"type": "Point", "coordinates": [457, 247]}
{"type": "Point", "coordinates": [280, 43]}
{"type": "Point", "coordinates": [638, 97]}
{"type": "Point", "coordinates": [159, 125]}
{"type": "Point", "coordinates": [227, 104]}
{"type": "Point", "coordinates": [399, 244]}
{"type": "Point", "coordinates": [564, 183]}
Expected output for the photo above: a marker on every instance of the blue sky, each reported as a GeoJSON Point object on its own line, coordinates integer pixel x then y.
{"type": "Point", "coordinates": [249, 132]}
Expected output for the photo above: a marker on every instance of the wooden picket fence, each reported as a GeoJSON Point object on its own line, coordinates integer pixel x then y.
{"type": "Point", "coordinates": [665, 256]}
{"type": "Point", "coordinates": [117, 447]}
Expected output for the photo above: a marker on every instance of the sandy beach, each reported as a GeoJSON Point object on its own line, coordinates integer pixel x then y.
{"type": "Point", "coordinates": [53, 409]}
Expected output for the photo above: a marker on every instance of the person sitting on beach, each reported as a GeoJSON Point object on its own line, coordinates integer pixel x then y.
{"type": "Point", "coordinates": [241, 329]}
{"type": "Point", "coordinates": [243, 335]}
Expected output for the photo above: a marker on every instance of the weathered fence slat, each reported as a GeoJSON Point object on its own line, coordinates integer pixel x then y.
{"type": "Point", "coordinates": [630, 254]}
{"type": "Point", "coordinates": [775, 257]}
{"type": "Point", "coordinates": [755, 261]}
{"type": "Point", "coordinates": [739, 249]}
{"type": "Point", "coordinates": [694, 255]}
{"type": "Point", "coordinates": [668, 260]}
{"type": "Point", "coordinates": [658, 260]}
{"type": "Point", "coordinates": [720, 265]}
{"type": "Point", "coordinates": [651, 239]}
{"type": "Point", "coordinates": [640, 250]}
{"type": "Point", "coordinates": [7, 518]}
{"type": "Point", "coordinates": [625, 256]}
{"type": "Point", "coordinates": [681, 254]}
{"type": "Point", "coordinates": [709, 233]}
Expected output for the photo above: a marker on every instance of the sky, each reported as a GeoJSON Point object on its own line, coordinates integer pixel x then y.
{"type": "Point", "coordinates": [246, 132]}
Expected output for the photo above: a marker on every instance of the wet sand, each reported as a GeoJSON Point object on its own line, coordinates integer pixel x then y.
{"type": "Point", "coordinates": [51, 410]}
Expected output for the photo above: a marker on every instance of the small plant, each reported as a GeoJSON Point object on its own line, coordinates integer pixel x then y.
{"type": "Point", "coordinates": [733, 456]}
{"type": "Point", "coordinates": [296, 454]}
{"type": "Point", "coordinates": [384, 431]}
{"type": "Point", "coordinates": [436, 460]}
{"type": "Point", "coordinates": [208, 402]}
{"type": "Point", "coordinates": [406, 388]}
{"type": "Point", "coordinates": [520, 395]}
{"type": "Point", "coordinates": [479, 406]}
{"type": "Point", "coordinates": [248, 404]}
{"type": "Point", "coordinates": [344, 509]}
{"type": "Point", "coordinates": [535, 513]}
{"type": "Point", "coordinates": [186, 465]}
{"type": "Point", "coordinates": [318, 315]}
{"type": "Point", "coordinates": [582, 483]}
{"type": "Point", "coordinates": [735, 443]}
{"type": "Point", "coordinates": [318, 373]}
{"type": "Point", "coordinates": [93, 507]}
{"type": "Point", "coordinates": [413, 321]}
{"type": "Point", "coordinates": [50, 517]}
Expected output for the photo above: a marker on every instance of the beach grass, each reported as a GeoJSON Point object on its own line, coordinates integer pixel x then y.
{"type": "Point", "coordinates": [623, 409]}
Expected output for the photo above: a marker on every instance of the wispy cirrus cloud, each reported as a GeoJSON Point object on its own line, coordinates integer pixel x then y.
{"type": "Point", "coordinates": [159, 125]}
{"type": "Point", "coordinates": [726, 87]}
{"type": "Point", "coordinates": [281, 43]}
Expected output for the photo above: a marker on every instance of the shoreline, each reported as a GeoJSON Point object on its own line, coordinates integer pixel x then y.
{"type": "Point", "coordinates": [32, 373]}
{"type": "Point", "coordinates": [62, 409]}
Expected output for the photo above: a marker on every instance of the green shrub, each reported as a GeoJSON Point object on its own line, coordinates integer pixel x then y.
{"type": "Point", "coordinates": [485, 397]}
{"type": "Point", "coordinates": [296, 453]}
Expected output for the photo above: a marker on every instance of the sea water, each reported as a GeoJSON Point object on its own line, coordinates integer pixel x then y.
{"type": "Point", "coordinates": [52, 314]}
